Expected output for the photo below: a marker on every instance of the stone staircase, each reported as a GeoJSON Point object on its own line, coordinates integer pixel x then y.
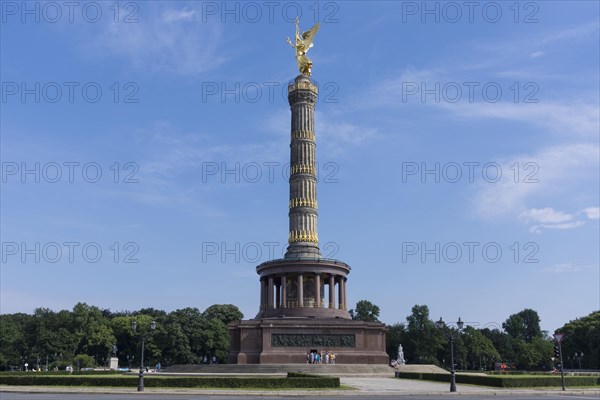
{"type": "Point", "coordinates": [422, 368]}
{"type": "Point", "coordinates": [282, 369]}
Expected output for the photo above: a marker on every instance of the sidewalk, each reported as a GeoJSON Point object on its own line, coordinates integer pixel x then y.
{"type": "Point", "coordinates": [353, 386]}
{"type": "Point", "coordinates": [392, 386]}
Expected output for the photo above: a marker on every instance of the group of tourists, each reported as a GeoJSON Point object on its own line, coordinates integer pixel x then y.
{"type": "Point", "coordinates": [314, 357]}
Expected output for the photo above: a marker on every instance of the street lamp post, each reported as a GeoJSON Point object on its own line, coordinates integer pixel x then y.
{"type": "Point", "coordinates": [143, 337]}
{"type": "Point", "coordinates": [579, 357]}
{"type": "Point", "coordinates": [129, 360]}
{"type": "Point", "coordinates": [459, 324]}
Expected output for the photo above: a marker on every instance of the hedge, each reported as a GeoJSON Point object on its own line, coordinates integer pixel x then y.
{"type": "Point", "coordinates": [515, 381]}
{"type": "Point", "coordinates": [546, 373]}
{"type": "Point", "coordinates": [290, 382]}
{"type": "Point", "coordinates": [64, 373]}
{"type": "Point", "coordinates": [302, 375]}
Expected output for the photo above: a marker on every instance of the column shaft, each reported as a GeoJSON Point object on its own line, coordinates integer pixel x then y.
{"type": "Point", "coordinates": [340, 293]}
{"type": "Point", "coordinates": [344, 304]}
{"type": "Point", "coordinates": [317, 290]}
{"type": "Point", "coordinates": [260, 302]}
{"type": "Point", "coordinates": [270, 293]}
{"type": "Point", "coordinates": [331, 291]}
{"type": "Point", "coordinates": [277, 295]}
{"type": "Point", "coordinates": [300, 290]}
{"type": "Point", "coordinates": [284, 291]}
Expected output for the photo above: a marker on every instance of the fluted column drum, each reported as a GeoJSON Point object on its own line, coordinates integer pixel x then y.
{"type": "Point", "coordinates": [303, 238]}
{"type": "Point", "coordinates": [305, 270]}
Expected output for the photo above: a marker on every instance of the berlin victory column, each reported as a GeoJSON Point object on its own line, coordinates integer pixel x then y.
{"type": "Point", "coordinates": [295, 316]}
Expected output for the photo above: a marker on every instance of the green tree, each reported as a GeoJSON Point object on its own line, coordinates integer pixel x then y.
{"type": "Point", "coordinates": [524, 325]}
{"type": "Point", "coordinates": [365, 311]}
{"type": "Point", "coordinates": [480, 350]}
{"type": "Point", "coordinates": [174, 345]}
{"type": "Point", "coordinates": [13, 340]}
{"type": "Point", "coordinates": [505, 345]}
{"type": "Point", "coordinates": [582, 335]}
{"type": "Point", "coordinates": [424, 339]}
{"type": "Point", "coordinates": [50, 335]}
{"type": "Point", "coordinates": [534, 355]}
{"type": "Point", "coordinates": [92, 331]}
{"type": "Point", "coordinates": [215, 339]}
{"type": "Point", "coordinates": [226, 313]}
{"type": "Point", "coordinates": [192, 324]}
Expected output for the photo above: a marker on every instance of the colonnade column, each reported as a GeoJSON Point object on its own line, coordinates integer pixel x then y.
{"type": "Point", "coordinates": [331, 291]}
{"type": "Point", "coordinates": [270, 293]}
{"type": "Point", "coordinates": [317, 290]}
{"type": "Point", "coordinates": [340, 293]}
{"type": "Point", "coordinates": [344, 306]}
{"type": "Point", "coordinates": [284, 291]}
{"type": "Point", "coordinates": [277, 295]}
{"type": "Point", "coordinates": [300, 291]}
{"type": "Point", "coordinates": [263, 292]}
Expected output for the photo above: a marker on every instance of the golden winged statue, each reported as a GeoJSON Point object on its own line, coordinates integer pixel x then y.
{"type": "Point", "coordinates": [303, 43]}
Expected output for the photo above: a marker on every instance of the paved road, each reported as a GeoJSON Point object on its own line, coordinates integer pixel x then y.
{"type": "Point", "coordinates": [354, 388]}
{"type": "Point", "coordinates": [138, 396]}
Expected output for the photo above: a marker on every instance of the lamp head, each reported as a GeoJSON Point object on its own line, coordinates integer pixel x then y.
{"type": "Point", "coordinates": [440, 324]}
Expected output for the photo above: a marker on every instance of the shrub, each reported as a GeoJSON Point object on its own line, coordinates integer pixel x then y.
{"type": "Point", "coordinates": [508, 381]}
{"type": "Point", "coordinates": [65, 373]}
{"type": "Point", "coordinates": [83, 361]}
{"type": "Point", "coordinates": [305, 382]}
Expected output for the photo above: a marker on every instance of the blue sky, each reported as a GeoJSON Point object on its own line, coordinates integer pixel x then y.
{"type": "Point", "coordinates": [458, 153]}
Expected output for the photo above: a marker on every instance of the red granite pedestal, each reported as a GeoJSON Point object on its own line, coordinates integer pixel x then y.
{"type": "Point", "coordinates": [288, 340]}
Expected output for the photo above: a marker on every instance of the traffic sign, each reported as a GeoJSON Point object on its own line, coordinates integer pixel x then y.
{"type": "Point", "coordinates": [559, 337]}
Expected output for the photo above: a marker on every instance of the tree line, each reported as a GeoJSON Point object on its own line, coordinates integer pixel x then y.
{"type": "Point", "coordinates": [86, 336]}
{"type": "Point", "coordinates": [519, 343]}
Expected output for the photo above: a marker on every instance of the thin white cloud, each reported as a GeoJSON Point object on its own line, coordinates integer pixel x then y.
{"type": "Point", "coordinates": [563, 226]}
{"type": "Point", "coordinates": [176, 153]}
{"type": "Point", "coordinates": [592, 212]}
{"type": "Point", "coordinates": [167, 40]}
{"type": "Point", "coordinates": [582, 31]}
{"type": "Point", "coordinates": [549, 218]}
{"type": "Point", "coordinates": [546, 215]}
{"type": "Point", "coordinates": [564, 268]}
{"type": "Point", "coordinates": [557, 170]}
{"type": "Point", "coordinates": [565, 119]}
{"type": "Point", "coordinates": [518, 49]}
{"type": "Point", "coordinates": [504, 60]}
{"type": "Point", "coordinates": [536, 54]}
{"type": "Point", "coordinates": [337, 135]}
{"type": "Point", "coordinates": [179, 15]}
{"type": "Point", "coordinates": [557, 116]}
